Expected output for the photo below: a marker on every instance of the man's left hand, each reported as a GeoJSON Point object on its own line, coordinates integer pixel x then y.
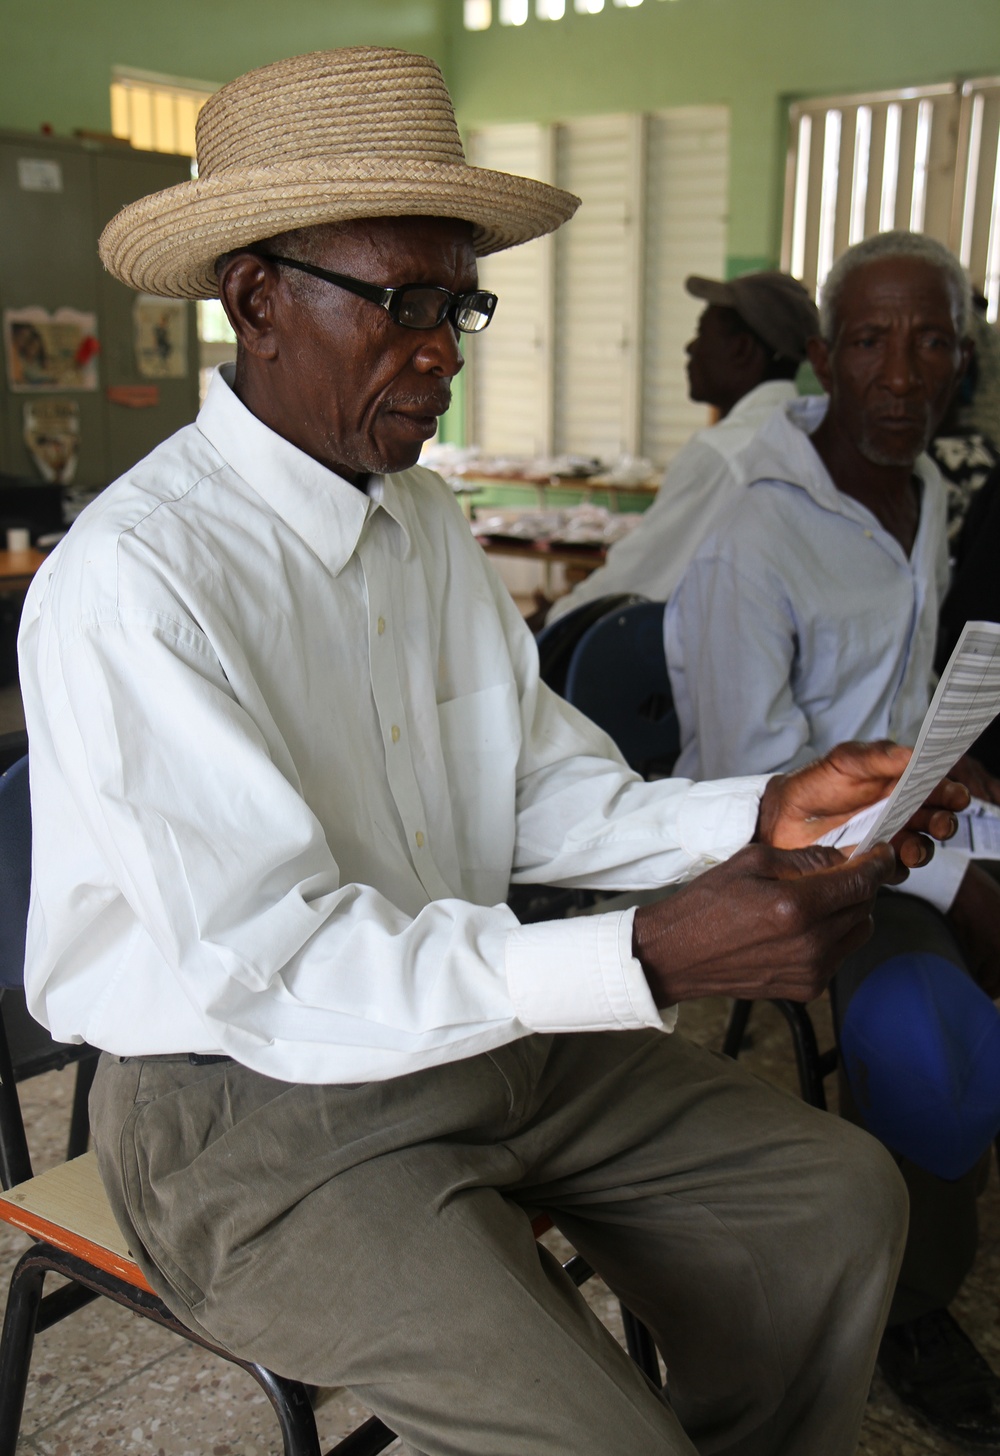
{"type": "Point", "coordinates": [975, 919]}
{"type": "Point", "coordinates": [979, 781]}
{"type": "Point", "coordinates": [797, 808]}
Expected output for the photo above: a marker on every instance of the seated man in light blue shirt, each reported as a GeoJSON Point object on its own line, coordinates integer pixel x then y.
{"type": "Point", "coordinates": [807, 616]}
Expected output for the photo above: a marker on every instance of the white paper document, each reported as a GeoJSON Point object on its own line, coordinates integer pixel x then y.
{"type": "Point", "coordinates": [978, 831]}
{"type": "Point", "coordinates": [967, 700]}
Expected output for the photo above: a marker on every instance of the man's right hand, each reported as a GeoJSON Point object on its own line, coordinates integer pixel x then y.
{"type": "Point", "coordinates": [975, 920]}
{"type": "Point", "coordinates": [768, 923]}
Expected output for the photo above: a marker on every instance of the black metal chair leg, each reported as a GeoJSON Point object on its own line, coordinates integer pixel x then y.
{"type": "Point", "coordinates": [578, 1270]}
{"type": "Point", "coordinates": [290, 1404]}
{"type": "Point", "coordinates": [639, 1343]}
{"type": "Point", "coordinates": [16, 1343]}
{"type": "Point", "coordinates": [15, 1160]}
{"type": "Point", "coordinates": [736, 1030]}
{"type": "Point", "coordinates": [807, 1055]}
{"type": "Point", "coordinates": [367, 1440]}
{"type": "Point", "coordinates": [79, 1122]}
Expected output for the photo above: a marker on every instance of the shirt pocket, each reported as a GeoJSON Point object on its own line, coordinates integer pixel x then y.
{"type": "Point", "coordinates": [480, 742]}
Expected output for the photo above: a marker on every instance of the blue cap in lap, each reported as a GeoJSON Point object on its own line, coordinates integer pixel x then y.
{"type": "Point", "coordinates": [921, 1049]}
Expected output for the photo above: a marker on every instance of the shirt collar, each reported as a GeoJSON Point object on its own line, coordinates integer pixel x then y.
{"type": "Point", "coordinates": [763, 398]}
{"type": "Point", "coordinates": [325, 510]}
{"type": "Point", "coordinates": [782, 450]}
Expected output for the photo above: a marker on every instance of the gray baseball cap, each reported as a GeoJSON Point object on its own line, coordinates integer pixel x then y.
{"type": "Point", "coordinates": [775, 305]}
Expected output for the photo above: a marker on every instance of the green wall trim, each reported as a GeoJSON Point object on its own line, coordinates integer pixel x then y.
{"type": "Point", "coordinates": [753, 56]}
{"type": "Point", "coordinates": [752, 264]}
{"type": "Point", "coordinates": [451, 426]}
{"type": "Point", "coordinates": [56, 58]}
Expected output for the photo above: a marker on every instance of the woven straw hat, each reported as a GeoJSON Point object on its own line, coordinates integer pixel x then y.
{"type": "Point", "coordinates": [352, 133]}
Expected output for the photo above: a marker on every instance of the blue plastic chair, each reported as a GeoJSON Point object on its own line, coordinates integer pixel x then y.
{"type": "Point", "coordinates": [559, 639]}
{"type": "Point", "coordinates": [618, 676]}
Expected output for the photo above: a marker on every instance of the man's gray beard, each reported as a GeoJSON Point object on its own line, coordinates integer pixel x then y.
{"type": "Point", "coordinates": [884, 459]}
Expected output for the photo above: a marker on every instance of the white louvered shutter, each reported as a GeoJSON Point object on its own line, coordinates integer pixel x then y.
{"type": "Point", "coordinates": [687, 174]}
{"type": "Point", "coordinates": [595, 352]}
{"type": "Point", "coordinates": [510, 364]}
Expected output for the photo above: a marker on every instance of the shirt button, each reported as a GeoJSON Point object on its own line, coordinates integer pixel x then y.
{"type": "Point", "coordinates": [419, 838]}
{"type": "Point", "coordinates": [381, 622]}
{"type": "Point", "coordinates": [395, 733]}
{"type": "Point", "coordinates": [869, 534]}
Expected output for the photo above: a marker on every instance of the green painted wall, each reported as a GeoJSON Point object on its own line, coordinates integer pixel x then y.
{"type": "Point", "coordinates": [56, 57]}
{"type": "Point", "coordinates": [753, 55]}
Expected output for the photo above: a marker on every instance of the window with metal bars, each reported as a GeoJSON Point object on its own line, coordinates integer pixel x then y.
{"type": "Point", "coordinates": [925, 158]}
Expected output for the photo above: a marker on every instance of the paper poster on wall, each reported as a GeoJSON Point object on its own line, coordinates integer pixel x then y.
{"type": "Point", "coordinates": [50, 351]}
{"type": "Point", "coordinates": [52, 435]}
{"type": "Point", "coordinates": [160, 326]}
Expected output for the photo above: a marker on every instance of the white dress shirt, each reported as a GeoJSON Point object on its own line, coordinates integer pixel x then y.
{"type": "Point", "coordinates": [700, 482]}
{"type": "Point", "coordinates": [288, 749]}
{"type": "Point", "coordinates": [802, 622]}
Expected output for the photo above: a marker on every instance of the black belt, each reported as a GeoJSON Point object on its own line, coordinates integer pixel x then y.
{"type": "Point", "coordinates": [197, 1059]}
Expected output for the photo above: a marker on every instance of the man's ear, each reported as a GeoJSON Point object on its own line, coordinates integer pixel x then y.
{"type": "Point", "coordinates": [248, 287]}
{"type": "Point", "coordinates": [819, 357]}
{"type": "Point", "coordinates": [748, 352]}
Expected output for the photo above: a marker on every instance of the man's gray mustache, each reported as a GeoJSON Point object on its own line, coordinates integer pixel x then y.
{"type": "Point", "coordinates": [424, 404]}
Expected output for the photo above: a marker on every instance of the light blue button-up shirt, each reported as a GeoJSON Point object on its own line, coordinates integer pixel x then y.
{"type": "Point", "coordinates": [801, 621]}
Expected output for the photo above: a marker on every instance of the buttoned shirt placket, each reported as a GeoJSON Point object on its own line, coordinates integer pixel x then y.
{"type": "Point", "coordinates": [381, 568]}
{"type": "Point", "coordinates": [911, 567]}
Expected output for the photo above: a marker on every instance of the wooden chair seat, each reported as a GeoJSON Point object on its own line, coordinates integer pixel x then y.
{"type": "Point", "coordinates": [68, 1208]}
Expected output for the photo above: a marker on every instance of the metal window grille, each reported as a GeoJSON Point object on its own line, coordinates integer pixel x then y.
{"type": "Point", "coordinates": [925, 158]}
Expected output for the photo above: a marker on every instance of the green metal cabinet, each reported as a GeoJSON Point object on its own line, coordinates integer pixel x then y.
{"type": "Point", "coordinates": [48, 257]}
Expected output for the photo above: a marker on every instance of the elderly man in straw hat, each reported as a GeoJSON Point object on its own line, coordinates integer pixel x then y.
{"type": "Point", "coordinates": [288, 749]}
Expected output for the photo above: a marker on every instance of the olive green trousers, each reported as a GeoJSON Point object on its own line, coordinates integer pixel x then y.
{"type": "Point", "coordinates": [375, 1236]}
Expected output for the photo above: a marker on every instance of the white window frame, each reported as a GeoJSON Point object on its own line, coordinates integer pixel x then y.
{"type": "Point", "coordinates": [975, 226]}
{"type": "Point", "coordinates": [948, 136]}
{"type": "Point", "coordinates": [860, 164]}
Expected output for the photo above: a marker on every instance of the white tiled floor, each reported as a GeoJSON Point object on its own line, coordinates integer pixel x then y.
{"type": "Point", "coordinates": [106, 1382]}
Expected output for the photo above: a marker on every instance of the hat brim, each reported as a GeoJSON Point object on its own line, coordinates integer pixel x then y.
{"type": "Point", "coordinates": [167, 243]}
{"type": "Point", "coordinates": [712, 290]}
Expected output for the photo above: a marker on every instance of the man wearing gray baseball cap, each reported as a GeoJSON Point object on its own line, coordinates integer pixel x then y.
{"type": "Point", "coordinates": [742, 361]}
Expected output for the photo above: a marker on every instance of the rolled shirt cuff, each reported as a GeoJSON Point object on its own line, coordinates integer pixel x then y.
{"type": "Point", "coordinates": [719, 816]}
{"type": "Point", "coordinates": [938, 882]}
{"type": "Point", "coordinates": [581, 975]}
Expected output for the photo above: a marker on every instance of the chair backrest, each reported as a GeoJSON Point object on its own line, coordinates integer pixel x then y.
{"type": "Point", "coordinates": [557, 642]}
{"type": "Point", "coordinates": [15, 886]}
{"type": "Point", "coordinates": [618, 677]}
{"type": "Point", "coordinates": [15, 870]}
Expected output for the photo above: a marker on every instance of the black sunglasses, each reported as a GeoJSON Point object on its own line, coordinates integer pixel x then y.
{"type": "Point", "coordinates": [414, 305]}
